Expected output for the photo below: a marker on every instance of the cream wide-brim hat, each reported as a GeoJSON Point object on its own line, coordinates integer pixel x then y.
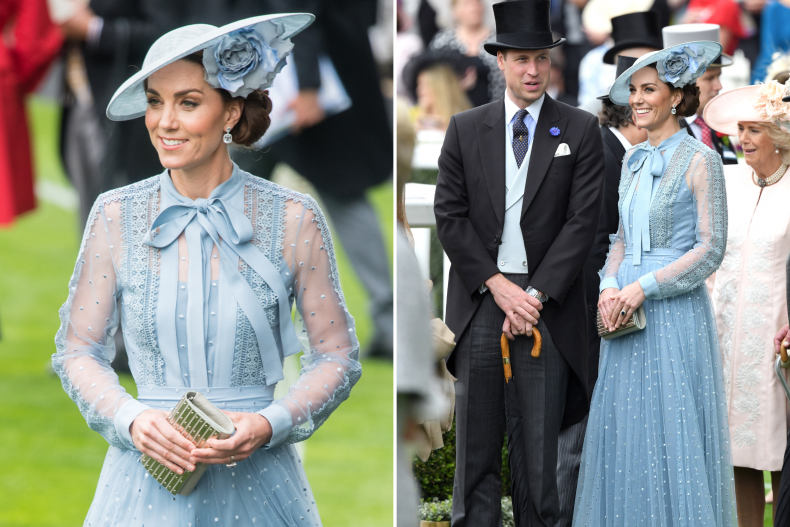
{"type": "Point", "coordinates": [727, 109]}
{"type": "Point", "coordinates": [129, 101]}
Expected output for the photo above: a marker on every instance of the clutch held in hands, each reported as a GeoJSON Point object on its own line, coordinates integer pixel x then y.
{"type": "Point", "coordinates": [637, 321]}
{"type": "Point", "coordinates": [197, 419]}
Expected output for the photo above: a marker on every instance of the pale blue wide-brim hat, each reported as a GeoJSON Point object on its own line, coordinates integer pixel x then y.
{"type": "Point", "coordinates": [677, 65]}
{"type": "Point", "coordinates": [270, 42]}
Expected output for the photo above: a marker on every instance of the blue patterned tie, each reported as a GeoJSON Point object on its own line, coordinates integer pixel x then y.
{"type": "Point", "coordinates": [520, 137]}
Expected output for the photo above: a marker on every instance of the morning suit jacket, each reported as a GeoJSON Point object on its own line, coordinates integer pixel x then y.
{"type": "Point", "coordinates": [717, 143]}
{"type": "Point", "coordinates": [559, 218]}
{"type": "Point", "coordinates": [608, 222]}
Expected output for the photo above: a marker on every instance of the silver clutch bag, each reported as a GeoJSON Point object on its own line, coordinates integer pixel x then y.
{"type": "Point", "coordinates": [637, 321]}
{"type": "Point", "coordinates": [198, 420]}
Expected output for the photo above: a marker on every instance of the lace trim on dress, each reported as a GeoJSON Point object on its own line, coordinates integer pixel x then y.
{"type": "Point", "coordinates": [712, 249]}
{"type": "Point", "coordinates": [661, 209]}
{"type": "Point", "coordinates": [139, 207]}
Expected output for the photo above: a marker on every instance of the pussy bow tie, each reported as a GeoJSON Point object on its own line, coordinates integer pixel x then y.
{"type": "Point", "coordinates": [649, 163]}
{"type": "Point", "coordinates": [208, 222]}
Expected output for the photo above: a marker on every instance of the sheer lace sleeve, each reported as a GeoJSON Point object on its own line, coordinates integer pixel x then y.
{"type": "Point", "coordinates": [89, 318]}
{"type": "Point", "coordinates": [705, 179]}
{"type": "Point", "coordinates": [330, 365]}
{"type": "Point", "coordinates": [613, 260]}
{"type": "Point", "coordinates": [617, 240]}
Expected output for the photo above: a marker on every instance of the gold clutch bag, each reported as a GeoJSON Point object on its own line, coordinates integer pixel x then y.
{"type": "Point", "coordinates": [637, 321]}
{"type": "Point", "coordinates": [198, 420]}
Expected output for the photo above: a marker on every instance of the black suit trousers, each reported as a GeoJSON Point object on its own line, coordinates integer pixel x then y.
{"type": "Point", "coordinates": [480, 417]}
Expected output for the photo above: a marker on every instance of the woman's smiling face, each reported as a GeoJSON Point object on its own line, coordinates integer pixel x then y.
{"type": "Point", "coordinates": [757, 146]}
{"type": "Point", "coordinates": [651, 99]}
{"type": "Point", "coordinates": [186, 118]}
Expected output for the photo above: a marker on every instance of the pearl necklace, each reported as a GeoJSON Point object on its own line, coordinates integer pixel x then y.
{"type": "Point", "coordinates": [770, 180]}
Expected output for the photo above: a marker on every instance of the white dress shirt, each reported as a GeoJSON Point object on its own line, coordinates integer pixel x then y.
{"type": "Point", "coordinates": [512, 256]}
{"type": "Point", "coordinates": [695, 129]}
{"type": "Point", "coordinates": [620, 137]}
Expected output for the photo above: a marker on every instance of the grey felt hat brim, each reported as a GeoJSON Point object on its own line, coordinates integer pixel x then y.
{"type": "Point", "coordinates": [620, 92]}
{"type": "Point", "coordinates": [129, 101]}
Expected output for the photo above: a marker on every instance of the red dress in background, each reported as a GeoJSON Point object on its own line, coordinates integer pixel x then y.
{"type": "Point", "coordinates": [28, 44]}
{"type": "Point", "coordinates": [725, 13]}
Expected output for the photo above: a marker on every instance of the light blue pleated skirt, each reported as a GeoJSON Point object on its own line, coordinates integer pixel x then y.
{"type": "Point", "coordinates": [268, 489]}
{"type": "Point", "coordinates": [657, 447]}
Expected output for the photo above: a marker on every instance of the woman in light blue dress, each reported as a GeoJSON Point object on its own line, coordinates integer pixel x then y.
{"type": "Point", "coordinates": [202, 264]}
{"type": "Point", "coordinates": [657, 448]}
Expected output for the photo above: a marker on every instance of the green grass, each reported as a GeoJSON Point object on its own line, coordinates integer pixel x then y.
{"type": "Point", "coordinates": [52, 460]}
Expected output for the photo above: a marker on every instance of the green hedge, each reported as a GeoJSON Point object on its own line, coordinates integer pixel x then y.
{"type": "Point", "coordinates": [435, 475]}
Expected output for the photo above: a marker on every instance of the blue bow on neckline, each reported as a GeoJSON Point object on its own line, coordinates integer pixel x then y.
{"type": "Point", "coordinates": [648, 162]}
{"type": "Point", "coordinates": [645, 152]}
{"type": "Point", "coordinates": [209, 222]}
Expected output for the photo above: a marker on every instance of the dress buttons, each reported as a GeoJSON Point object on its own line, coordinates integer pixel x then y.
{"type": "Point", "coordinates": [524, 263]}
{"type": "Point", "coordinates": [501, 262]}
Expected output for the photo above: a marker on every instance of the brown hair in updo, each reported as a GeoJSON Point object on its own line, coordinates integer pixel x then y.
{"type": "Point", "coordinates": [254, 120]}
{"type": "Point", "coordinates": [690, 102]}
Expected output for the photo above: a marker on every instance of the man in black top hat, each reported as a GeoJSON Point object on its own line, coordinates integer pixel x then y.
{"type": "Point", "coordinates": [634, 35]}
{"type": "Point", "coordinates": [517, 204]}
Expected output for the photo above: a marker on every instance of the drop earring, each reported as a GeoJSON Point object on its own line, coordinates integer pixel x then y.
{"type": "Point", "coordinates": [673, 110]}
{"type": "Point", "coordinates": [227, 137]}
{"type": "Point", "coordinates": [777, 148]}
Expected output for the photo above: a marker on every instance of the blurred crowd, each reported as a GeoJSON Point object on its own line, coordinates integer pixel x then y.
{"type": "Point", "coordinates": [81, 51]}
{"type": "Point", "coordinates": [442, 68]}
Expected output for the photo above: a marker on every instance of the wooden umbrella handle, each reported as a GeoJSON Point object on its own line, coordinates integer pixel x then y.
{"type": "Point", "coordinates": [537, 344]}
{"type": "Point", "coordinates": [783, 352]}
{"type": "Point", "coordinates": [536, 347]}
{"type": "Point", "coordinates": [505, 344]}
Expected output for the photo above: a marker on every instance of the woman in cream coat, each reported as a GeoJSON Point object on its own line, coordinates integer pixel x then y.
{"type": "Point", "coordinates": [749, 287]}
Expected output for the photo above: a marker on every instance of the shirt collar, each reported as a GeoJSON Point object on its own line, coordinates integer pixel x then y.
{"type": "Point", "coordinates": [511, 109]}
{"type": "Point", "coordinates": [626, 144]}
{"type": "Point", "coordinates": [691, 119]}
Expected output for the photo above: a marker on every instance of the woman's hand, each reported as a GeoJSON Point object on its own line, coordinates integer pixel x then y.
{"type": "Point", "coordinates": [154, 436]}
{"type": "Point", "coordinates": [605, 303]}
{"type": "Point", "coordinates": [625, 303]}
{"type": "Point", "coordinates": [252, 431]}
{"type": "Point", "coordinates": [781, 337]}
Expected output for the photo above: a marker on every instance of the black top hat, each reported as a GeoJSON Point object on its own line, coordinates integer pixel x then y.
{"type": "Point", "coordinates": [623, 63]}
{"type": "Point", "coordinates": [522, 24]}
{"type": "Point", "coordinates": [786, 99]}
{"type": "Point", "coordinates": [635, 30]}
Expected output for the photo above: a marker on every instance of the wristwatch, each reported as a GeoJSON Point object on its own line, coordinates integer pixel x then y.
{"type": "Point", "coordinates": [542, 297]}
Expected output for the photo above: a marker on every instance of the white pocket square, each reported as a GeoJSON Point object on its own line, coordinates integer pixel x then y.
{"type": "Point", "coordinates": [562, 150]}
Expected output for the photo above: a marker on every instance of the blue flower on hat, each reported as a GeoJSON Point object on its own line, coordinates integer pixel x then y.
{"type": "Point", "coordinates": [681, 65]}
{"type": "Point", "coordinates": [554, 131]}
{"type": "Point", "coordinates": [243, 61]}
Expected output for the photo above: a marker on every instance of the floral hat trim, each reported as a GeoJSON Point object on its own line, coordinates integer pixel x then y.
{"type": "Point", "coordinates": [241, 57]}
{"type": "Point", "coordinates": [247, 59]}
{"type": "Point", "coordinates": [770, 106]}
{"type": "Point", "coordinates": [682, 66]}
{"type": "Point", "coordinates": [677, 65]}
